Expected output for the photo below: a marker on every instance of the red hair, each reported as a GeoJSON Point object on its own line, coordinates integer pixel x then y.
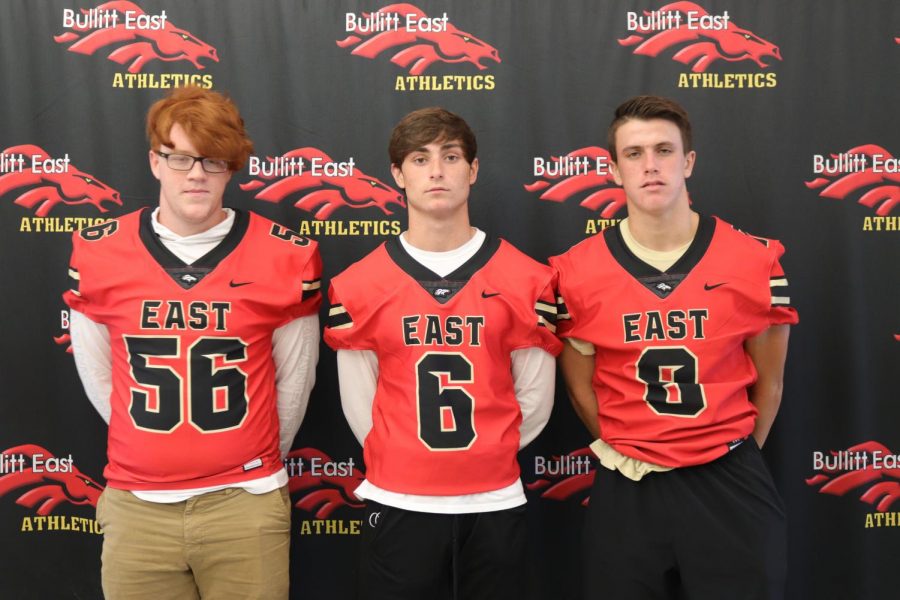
{"type": "Point", "coordinates": [210, 120]}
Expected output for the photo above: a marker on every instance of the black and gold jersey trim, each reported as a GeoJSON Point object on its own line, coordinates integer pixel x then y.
{"type": "Point", "coordinates": [546, 314]}
{"type": "Point", "coordinates": [442, 289]}
{"type": "Point", "coordinates": [562, 311]}
{"type": "Point", "coordinates": [74, 281]}
{"type": "Point", "coordinates": [185, 275]}
{"type": "Point", "coordinates": [661, 283]}
{"type": "Point", "coordinates": [779, 287]}
{"type": "Point", "coordinates": [339, 318]}
{"type": "Point", "coordinates": [311, 288]}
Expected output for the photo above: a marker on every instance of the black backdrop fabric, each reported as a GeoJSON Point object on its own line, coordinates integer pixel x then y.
{"type": "Point", "coordinates": [784, 89]}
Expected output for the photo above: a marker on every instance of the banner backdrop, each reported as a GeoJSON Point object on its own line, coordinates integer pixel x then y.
{"type": "Point", "coordinates": [794, 107]}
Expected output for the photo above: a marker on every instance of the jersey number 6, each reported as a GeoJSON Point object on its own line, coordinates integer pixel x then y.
{"type": "Point", "coordinates": [446, 410]}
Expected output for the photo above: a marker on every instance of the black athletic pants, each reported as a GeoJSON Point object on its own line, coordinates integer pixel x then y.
{"type": "Point", "coordinates": [408, 555]}
{"type": "Point", "coordinates": [715, 531]}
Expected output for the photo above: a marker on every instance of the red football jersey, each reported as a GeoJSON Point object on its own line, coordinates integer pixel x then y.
{"type": "Point", "coordinates": [671, 372]}
{"type": "Point", "coordinates": [193, 380]}
{"type": "Point", "coordinates": [445, 417]}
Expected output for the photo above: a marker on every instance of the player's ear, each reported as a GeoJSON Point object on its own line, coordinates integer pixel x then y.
{"type": "Point", "coordinates": [614, 171]}
{"type": "Point", "coordinates": [473, 171]}
{"type": "Point", "coordinates": [689, 160]}
{"type": "Point", "coordinates": [154, 163]}
{"type": "Point", "coordinates": [398, 176]}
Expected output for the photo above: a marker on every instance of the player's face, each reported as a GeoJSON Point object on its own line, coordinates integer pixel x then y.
{"type": "Point", "coordinates": [652, 166]}
{"type": "Point", "coordinates": [437, 178]}
{"type": "Point", "coordinates": [189, 201]}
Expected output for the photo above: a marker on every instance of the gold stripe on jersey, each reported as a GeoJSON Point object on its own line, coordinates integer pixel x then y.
{"type": "Point", "coordinates": [542, 322]}
{"type": "Point", "coordinates": [339, 318]}
{"type": "Point", "coordinates": [311, 288]}
{"type": "Point", "coordinates": [545, 309]}
{"type": "Point", "coordinates": [546, 313]}
{"type": "Point", "coordinates": [562, 311]}
{"type": "Point", "coordinates": [781, 283]}
{"type": "Point", "coordinates": [76, 280]}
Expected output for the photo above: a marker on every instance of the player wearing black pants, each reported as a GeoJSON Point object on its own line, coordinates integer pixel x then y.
{"type": "Point", "coordinates": [445, 340]}
{"type": "Point", "coordinates": [707, 528]}
{"type": "Point", "coordinates": [677, 330]}
{"type": "Point", "coordinates": [487, 547]}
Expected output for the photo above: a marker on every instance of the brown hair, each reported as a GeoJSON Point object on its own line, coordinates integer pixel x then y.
{"type": "Point", "coordinates": [210, 120]}
{"type": "Point", "coordinates": [426, 125]}
{"type": "Point", "coordinates": [646, 108]}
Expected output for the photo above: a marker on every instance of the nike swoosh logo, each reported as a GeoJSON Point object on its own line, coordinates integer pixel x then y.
{"type": "Point", "coordinates": [484, 294]}
{"type": "Point", "coordinates": [708, 287]}
{"type": "Point", "coordinates": [233, 283]}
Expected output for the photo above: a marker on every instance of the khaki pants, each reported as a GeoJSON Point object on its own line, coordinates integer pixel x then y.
{"type": "Point", "coordinates": [225, 544]}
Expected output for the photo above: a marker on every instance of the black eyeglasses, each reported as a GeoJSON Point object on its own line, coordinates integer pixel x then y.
{"type": "Point", "coordinates": [185, 162]}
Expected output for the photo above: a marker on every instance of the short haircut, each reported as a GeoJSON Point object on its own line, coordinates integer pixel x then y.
{"type": "Point", "coordinates": [210, 120]}
{"type": "Point", "coordinates": [646, 108]}
{"type": "Point", "coordinates": [427, 125]}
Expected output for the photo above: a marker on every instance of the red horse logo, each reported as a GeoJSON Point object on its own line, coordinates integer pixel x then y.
{"type": "Point", "coordinates": [705, 46]}
{"type": "Point", "coordinates": [838, 186]}
{"type": "Point", "coordinates": [420, 49]}
{"type": "Point", "coordinates": [562, 487]}
{"type": "Point", "coordinates": [323, 494]}
{"type": "Point", "coordinates": [355, 191]}
{"type": "Point", "coordinates": [169, 43]}
{"type": "Point", "coordinates": [50, 488]}
{"type": "Point", "coordinates": [69, 187]}
{"type": "Point", "coordinates": [884, 484]}
{"type": "Point", "coordinates": [609, 196]}
{"type": "Point", "coordinates": [64, 339]}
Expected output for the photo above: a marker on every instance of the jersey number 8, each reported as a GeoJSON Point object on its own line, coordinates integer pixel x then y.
{"type": "Point", "coordinates": [670, 380]}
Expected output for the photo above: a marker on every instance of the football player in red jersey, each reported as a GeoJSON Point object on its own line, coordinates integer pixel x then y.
{"type": "Point", "coordinates": [445, 341]}
{"type": "Point", "coordinates": [677, 331]}
{"type": "Point", "coordinates": [195, 334]}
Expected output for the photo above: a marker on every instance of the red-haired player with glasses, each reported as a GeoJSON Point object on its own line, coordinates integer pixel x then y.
{"type": "Point", "coordinates": [195, 334]}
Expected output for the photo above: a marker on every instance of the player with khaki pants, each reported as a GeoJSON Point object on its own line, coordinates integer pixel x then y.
{"type": "Point", "coordinates": [195, 334]}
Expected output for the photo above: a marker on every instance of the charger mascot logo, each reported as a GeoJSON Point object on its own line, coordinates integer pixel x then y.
{"type": "Point", "coordinates": [418, 49]}
{"type": "Point", "coordinates": [65, 185]}
{"type": "Point", "coordinates": [876, 486]}
{"type": "Point", "coordinates": [884, 190]}
{"type": "Point", "coordinates": [559, 188]}
{"type": "Point", "coordinates": [563, 487]}
{"type": "Point", "coordinates": [133, 44]}
{"type": "Point", "coordinates": [323, 494]}
{"type": "Point", "coordinates": [327, 192]}
{"type": "Point", "coordinates": [51, 481]}
{"type": "Point", "coordinates": [704, 46]}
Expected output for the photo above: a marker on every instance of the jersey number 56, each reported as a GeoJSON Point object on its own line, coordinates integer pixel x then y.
{"type": "Point", "coordinates": [216, 386]}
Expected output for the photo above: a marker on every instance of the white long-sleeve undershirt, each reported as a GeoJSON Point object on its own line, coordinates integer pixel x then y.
{"type": "Point", "coordinates": [533, 373]}
{"type": "Point", "coordinates": [295, 352]}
